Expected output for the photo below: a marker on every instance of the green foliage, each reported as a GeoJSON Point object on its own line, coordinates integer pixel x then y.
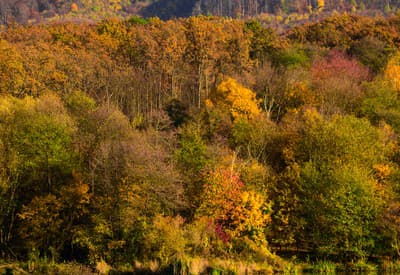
{"type": "Point", "coordinates": [342, 213]}
{"type": "Point", "coordinates": [353, 135]}
{"type": "Point", "coordinates": [79, 104]}
{"type": "Point", "coordinates": [192, 155]}
{"type": "Point", "coordinates": [371, 52]}
{"type": "Point", "coordinates": [137, 20]}
{"type": "Point", "coordinates": [324, 267]}
{"type": "Point", "coordinates": [292, 58]}
{"type": "Point", "coordinates": [165, 241]}
{"type": "Point", "coordinates": [254, 138]}
{"type": "Point", "coordinates": [381, 103]}
{"type": "Point", "coordinates": [335, 161]}
{"type": "Point", "coordinates": [41, 137]}
{"type": "Point", "coordinates": [264, 41]}
{"type": "Point", "coordinates": [362, 266]}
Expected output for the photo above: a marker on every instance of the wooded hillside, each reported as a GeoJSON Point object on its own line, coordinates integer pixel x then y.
{"type": "Point", "coordinates": [200, 143]}
{"type": "Point", "coordinates": [33, 11]}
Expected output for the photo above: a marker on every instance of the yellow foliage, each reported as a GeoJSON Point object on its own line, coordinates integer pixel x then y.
{"type": "Point", "coordinates": [165, 241]}
{"type": "Point", "coordinates": [40, 219]}
{"type": "Point", "coordinates": [320, 5]}
{"type": "Point", "coordinates": [209, 103]}
{"type": "Point", "coordinates": [241, 101]}
{"type": "Point", "coordinates": [115, 5]}
{"type": "Point", "coordinates": [390, 138]}
{"type": "Point", "coordinates": [256, 176]}
{"type": "Point", "coordinates": [252, 215]}
{"type": "Point", "coordinates": [312, 117]}
{"type": "Point", "coordinates": [298, 94]}
{"type": "Point", "coordinates": [239, 212]}
{"type": "Point", "coordinates": [289, 154]}
{"type": "Point", "coordinates": [382, 171]}
{"type": "Point", "coordinates": [11, 69]}
{"type": "Point", "coordinates": [5, 108]}
{"type": "Point", "coordinates": [382, 174]}
{"type": "Point", "coordinates": [102, 267]}
{"type": "Point", "coordinates": [392, 72]}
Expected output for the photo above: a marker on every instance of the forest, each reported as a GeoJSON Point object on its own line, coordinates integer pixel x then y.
{"type": "Point", "coordinates": [37, 11]}
{"type": "Point", "coordinates": [204, 145]}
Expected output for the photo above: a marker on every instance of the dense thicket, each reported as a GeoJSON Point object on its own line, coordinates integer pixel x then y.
{"type": "Point", "coordinates": [185, 141]}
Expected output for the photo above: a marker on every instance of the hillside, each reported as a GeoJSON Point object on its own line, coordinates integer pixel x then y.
{"type": "Point", "coordinates": [32, 11]}
{"type": "Point", "coordinates": [201, 145]}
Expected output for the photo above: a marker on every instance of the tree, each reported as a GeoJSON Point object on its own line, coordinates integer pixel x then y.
{"type": "Point", "coordinates": [381, 104]}
{"type": "Point", "coordinates": [320, 5]}
{"type": "Point", "coordinates": [371, 52]}
{"type": "Point", "coordinates": [49, 224]}
{"type": "Point", "coordinates": [177, 112]}
{"type": "Point", "coordinates": [264, 41]}
{"type": "Point", "coordinates": [237, 213]}
{"type": "Point", "coordinates": [165, 241]}
{"type": "Point", "coordinates": [43, 139]}
{"type": "Point", "coordinates": [254, 139]}
{"type": "Point", "coordinates": [37, 160]}
{"type": "Point", "coordinates": [336, 80]}
{"type": "Point", "coordinates": [340, 200]}
{"type": "Point", "coordinates": [240, 101]}
{"type": "Point", "coordinates": [12, 72]}
{"type": "Point", "coordinates": [132, 179]}
{"type": "Point", "coordinates": [392, 71]}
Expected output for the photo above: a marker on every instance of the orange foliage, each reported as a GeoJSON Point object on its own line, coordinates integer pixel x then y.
{"type": "Point", "coordinates": [74, 7]}
{"type": "Point", "coordinates": [237, 212]}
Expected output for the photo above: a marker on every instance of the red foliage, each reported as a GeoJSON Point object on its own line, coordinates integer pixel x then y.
{"type": "Point", "coordinates": [221, 233]}
{"type": "Point", "coordinates": [339, 65]}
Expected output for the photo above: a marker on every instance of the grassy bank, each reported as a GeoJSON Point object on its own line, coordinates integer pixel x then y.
{"type": "Point", "coordinates": [204, 266]}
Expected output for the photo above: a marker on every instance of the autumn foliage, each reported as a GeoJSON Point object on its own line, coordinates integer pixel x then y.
{"type": "Point", "coordinates": [198, 144]}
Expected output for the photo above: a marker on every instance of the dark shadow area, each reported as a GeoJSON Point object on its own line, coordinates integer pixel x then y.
{"type": "Point", "coordinates": [167, 9]}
